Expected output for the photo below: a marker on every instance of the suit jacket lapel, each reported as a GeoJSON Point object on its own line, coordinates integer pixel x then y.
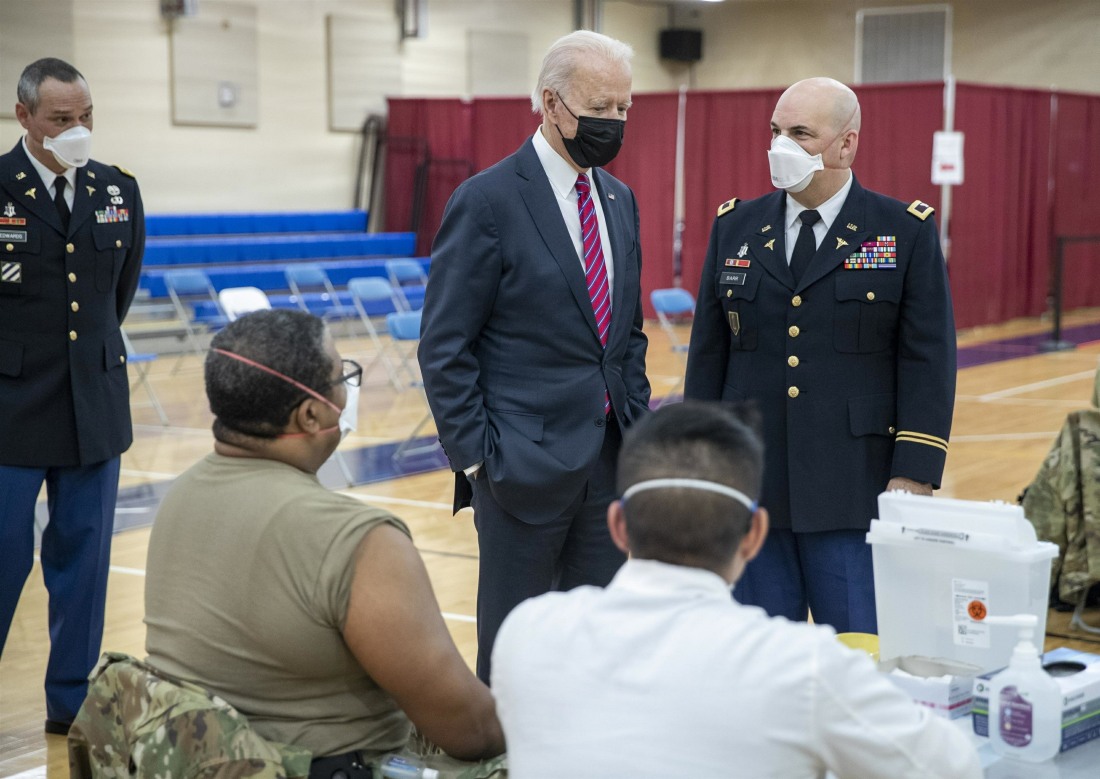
{"type": "Point", "coordinates": [845, 235]}
{"type": "Point", "coordinates": [768, 245]}
{"type": "Point", "coordinates": [617, 232]}
{"type": "Point", "coordinates": [543, 206]}
{"type": "Point", "coordinates": [29, 190]}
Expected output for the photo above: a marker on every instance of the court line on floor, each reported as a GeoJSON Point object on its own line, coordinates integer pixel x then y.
{"type": "Point", "coordinates": [1037, 385]}
{"type": "Point", "coordinates": [424, 504]}
{"type": "Point", "coordinates": [964, 439]}
{"type": "Point", "coordinates": [1023, 401]}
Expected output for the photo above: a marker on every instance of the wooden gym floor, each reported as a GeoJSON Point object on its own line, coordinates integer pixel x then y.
{"type": "Point", "coordinates": [1010, 405]}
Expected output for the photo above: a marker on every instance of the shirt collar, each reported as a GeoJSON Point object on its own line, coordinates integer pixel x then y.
{"type": "Point", "coordinates": [828, 211]}
{"type": "Point", "coordinates": [652, 576]}
{"type": "Point", "coordinates": [45, 173]}
{"type": "Point", "coordinates": [562, 175]}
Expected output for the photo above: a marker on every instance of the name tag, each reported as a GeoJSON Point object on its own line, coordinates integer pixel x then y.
{"type": "Point", "coordinates": [737, 277]}
{"type": "Point", "coordinates": [17, 236]}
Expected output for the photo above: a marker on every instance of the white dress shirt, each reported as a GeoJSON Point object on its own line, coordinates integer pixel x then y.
{"type": "Point", "coordinates": [664, 674]}
{"type": "Point", "coordinates": [563, 180]}
{"type": "Point", "coordinates": [828, 211]}
{"type": "Point", "coordinates": [49, 177]}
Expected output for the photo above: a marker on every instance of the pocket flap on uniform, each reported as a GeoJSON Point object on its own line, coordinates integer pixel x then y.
{"type": "Point", "coordinates": [18, 240]}
{"type": "Point", "coordinates": [869, 286]}
{"type": "Point", "coordinates": [530, 425]}
{"type": "Point", "coordinates": [114, 351]}
{"type": "Point", "coordinates": [872, 414]}
{"type": "Point", "coordinates": [11, 358]}
{"type": "Point", "coordinates": [113, 235]}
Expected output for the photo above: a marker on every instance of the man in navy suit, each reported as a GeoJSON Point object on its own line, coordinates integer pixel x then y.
{"type": "Point", "coordinates": [532, 348]}
{"type": "Point", "coordinates": [828, 305]}
{"type": "Point", "coordinates": [72, 234]}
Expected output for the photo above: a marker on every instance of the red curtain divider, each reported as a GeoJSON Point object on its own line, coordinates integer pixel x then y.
{"type": "Point", "coordinates": [1004, 221]}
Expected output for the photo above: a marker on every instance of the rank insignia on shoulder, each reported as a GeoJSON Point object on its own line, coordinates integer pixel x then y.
{"type": "Point", "coordinates": [728, 206]}
{"type": "Point", "coordinates": [920, 209]}
{"type": "Point", "coordinates": [123, 171]}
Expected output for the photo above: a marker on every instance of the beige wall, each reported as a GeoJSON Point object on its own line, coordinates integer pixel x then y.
{"type": "Point", "coordinates": [292, 161]}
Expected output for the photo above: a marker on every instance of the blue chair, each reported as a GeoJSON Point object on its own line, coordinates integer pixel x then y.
{"type": "Point", "coordinates": [194, 285]}
{"type": "Point", "coordinates": [404, 273]}
{"type": "Point", "coordinates": [310, 276]}
{"type": "Point", "coordinates": [140, 362]}
{"type": "Point", "coordinates": [372, 297]}
{"type": "Point", "coordinates": [673, 304]}
{"type": "Point", "coordinates": [404, 329]}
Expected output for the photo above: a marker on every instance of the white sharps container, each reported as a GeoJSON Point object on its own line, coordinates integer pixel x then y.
{"type": "Point", "coordinates": [938, 561]}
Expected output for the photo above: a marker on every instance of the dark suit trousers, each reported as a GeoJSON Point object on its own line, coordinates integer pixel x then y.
{"type": "Point", "coordinates": [520, 560]}
{"type": "Point", "coordinates": [76, 553]}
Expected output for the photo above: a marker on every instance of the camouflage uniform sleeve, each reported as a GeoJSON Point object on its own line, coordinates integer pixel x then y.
{"type": "Point", "coordinates": [1051, 499]}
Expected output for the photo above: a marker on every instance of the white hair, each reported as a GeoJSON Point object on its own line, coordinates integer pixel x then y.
{"type": "Point", "coordinates": [567, 53]}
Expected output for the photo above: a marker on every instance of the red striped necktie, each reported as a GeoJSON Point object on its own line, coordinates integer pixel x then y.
{"type": "Point", "coordinates": [595, 269]}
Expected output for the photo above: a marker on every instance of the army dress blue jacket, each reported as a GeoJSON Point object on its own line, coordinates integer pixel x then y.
{"type": "Point", "coordinates": [853, 368]}
{"type": "Point", "coordinates": [64, 393]}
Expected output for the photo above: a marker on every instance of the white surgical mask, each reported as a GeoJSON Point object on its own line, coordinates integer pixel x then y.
{"type": "Point", "coordinates": [792, 167]}
{"type": "Point", "coordinates": [71, 148]}
{"type": "Point", "coordinates": [349, 417]}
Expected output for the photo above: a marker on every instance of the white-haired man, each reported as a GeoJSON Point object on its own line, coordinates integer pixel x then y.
{"type": "Point", "coordinates": [532, 348]}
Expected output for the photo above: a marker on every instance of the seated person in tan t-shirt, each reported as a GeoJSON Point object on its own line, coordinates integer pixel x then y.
{"type": "Point", "coordinates": [308, 610]}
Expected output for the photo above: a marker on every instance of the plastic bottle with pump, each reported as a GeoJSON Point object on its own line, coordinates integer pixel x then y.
{"type": "Point", "coordinates": [1025, 702]}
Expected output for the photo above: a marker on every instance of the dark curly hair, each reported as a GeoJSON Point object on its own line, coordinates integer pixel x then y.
{"type": "Point", "coordinates": [246, 400]}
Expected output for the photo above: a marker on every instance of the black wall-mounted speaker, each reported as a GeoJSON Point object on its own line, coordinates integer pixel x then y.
{"type": "Point", "coordinates": [681, 45]}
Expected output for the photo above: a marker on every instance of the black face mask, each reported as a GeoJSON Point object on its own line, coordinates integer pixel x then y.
{"type": "Point", "coordinates": [597, 140]}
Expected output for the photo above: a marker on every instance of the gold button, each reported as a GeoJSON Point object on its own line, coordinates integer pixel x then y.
{"type": "Point", "coordinates": [70, 248]}
{"type": "Point", "coordinates": [792, 392]}
{"type": "Point", "coordinates": [729, 292]}
{"type": "Point", "coordinates": [10, 247]}
{"type": "Point", "coordinates": [792, 361]}
{"type": "Point", "coordinates": [870, 295]}
{"type": "Point", "coordinates": [74, 306]}
{"type": "Point", "coordinates": [122, 358]}
{"type": "Point", "coordinates": [796, 301]}
{"type": "Point", "coordinates": [72, 277]}
{"type": "Point", "coordinates": [118, 244]}
{"type": "Point", "coordinates": [793, 331]}
{"type": "Point", "coordinates": [72, 335]}
{"type": "Point", "coordinates": [892, 430]}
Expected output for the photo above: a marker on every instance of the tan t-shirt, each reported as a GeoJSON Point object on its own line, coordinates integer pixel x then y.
{"type": "Point", "coordinates": [246, 591]}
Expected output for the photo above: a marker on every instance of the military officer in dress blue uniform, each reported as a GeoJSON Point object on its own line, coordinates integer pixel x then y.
{"type": "Point", "coordinates": [828, 306]}
{"type": "Point", "coordinates": [72, 234]}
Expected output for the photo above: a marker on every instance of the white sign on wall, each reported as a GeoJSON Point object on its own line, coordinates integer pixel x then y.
{"type": "Point", "coordinates": [947, 157]}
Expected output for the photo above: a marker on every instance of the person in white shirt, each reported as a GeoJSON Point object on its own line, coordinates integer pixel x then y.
{"type": "Point", "coordinates": [663, 674]}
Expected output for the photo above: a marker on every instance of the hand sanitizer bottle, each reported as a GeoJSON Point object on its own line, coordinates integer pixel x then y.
{"type": "Point", "coordinates": [1025, 702]}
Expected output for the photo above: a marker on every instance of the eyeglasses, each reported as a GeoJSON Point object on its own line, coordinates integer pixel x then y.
{"type": "Point", "coordinates": [352, 374]}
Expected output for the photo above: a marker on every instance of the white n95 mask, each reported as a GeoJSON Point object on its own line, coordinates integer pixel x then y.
{"type": "Point", "coordinates": [349, 417]}
{"type": "Point", "coordinates": [71, 148]}
{"type": "Point", "coordinates": [792, 167]}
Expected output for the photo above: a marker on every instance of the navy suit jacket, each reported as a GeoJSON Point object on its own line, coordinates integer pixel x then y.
{"type": "Point", "coordinates": [511, 358]}
{"type": "Point", "coordinates": [853, 367]}
{"type": "Point", "coordinates": [64, 394]}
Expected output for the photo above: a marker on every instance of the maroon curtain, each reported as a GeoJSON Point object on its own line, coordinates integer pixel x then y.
{"type": "Point", "coordinates": [647, 164]}
{"type": "Point", "coordinates": [1076, 150]}
{"type": "Point", "coordinates": [1000, 230]}
{"type": "Point", "coordinates": [1028, 176]}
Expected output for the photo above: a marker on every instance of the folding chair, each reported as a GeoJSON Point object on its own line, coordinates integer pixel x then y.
{"type": "Point", "coordinates": [404, 329]}
{"type": "Point", "coordinates": [238, 301]}
{"type": "Point", "coordinates": [193, 284]}
{"type": "Point", "coordinates": [374, 296]}
{"type": "Point", "coordinates": [301, 276]}
{"type": "Point", "coordinates": [669, 304]}
{"type": "Point", "coordinates": [404, 273]}
{"type": "Point", "coordinates": [140, 362]}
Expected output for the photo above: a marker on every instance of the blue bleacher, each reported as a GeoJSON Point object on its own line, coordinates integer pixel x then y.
{"type": "Point", "coordinates": [253, 249]}
{"type": "Point", "coordinates": [267, 222]}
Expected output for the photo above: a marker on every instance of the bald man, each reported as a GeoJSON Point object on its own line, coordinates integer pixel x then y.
{"type": "Point", "coordinates": [829, 306]}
